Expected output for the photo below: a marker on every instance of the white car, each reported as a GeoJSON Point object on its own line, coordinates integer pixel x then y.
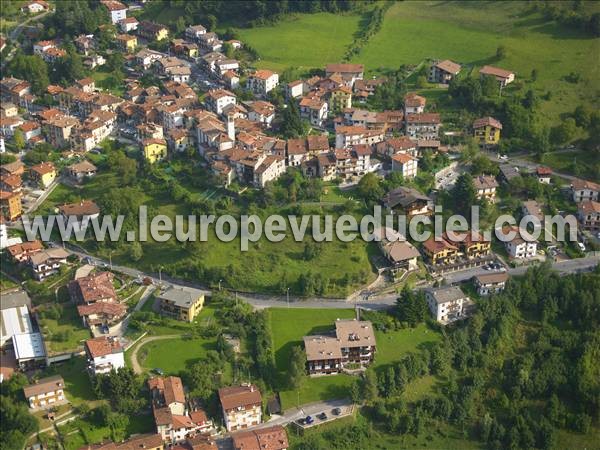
{"type": "Point", "coordinates": [581, 246]}
{"type": "Point", "coordinates": [504, 157]}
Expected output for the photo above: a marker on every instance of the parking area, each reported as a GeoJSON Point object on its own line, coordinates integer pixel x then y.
{"type": "Point", "coordinates": [324, 412]}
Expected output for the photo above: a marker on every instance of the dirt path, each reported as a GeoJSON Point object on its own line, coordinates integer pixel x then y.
{"type": "Point", "coordinates": [137, 368]}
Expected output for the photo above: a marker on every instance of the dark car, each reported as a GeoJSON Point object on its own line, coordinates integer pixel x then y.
{"type": "Point", "coordinates": [336, 411]}
{"type": "Point", "coordinates": [301, 421]}
{"type": "Point", "coordinates": [309, 420]}
{"type": "Point", "coordinates": [322, 416]}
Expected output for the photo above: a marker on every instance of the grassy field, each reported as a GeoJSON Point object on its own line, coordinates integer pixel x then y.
{"type": "Point", "coordinates": [467, 32]}
{"type": "Point", "coordinates": [265, 267]}
{"type": "Point", "coordinates": [174, 355]}
{"type": "Point", "coordinates": [391, 346]}
{"type": "Point", "coordinates": [77, 381]}
{"type": "Point", "coordinates": [69, 322]}
{"type": "Point", "coordinates": [290, 325]}
{"type": "Point", "coordinates": [580, 163]}
{"type": "Point", "coordinates": [304, 41]}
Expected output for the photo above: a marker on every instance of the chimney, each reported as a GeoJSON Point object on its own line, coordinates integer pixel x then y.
{"type": "Point", "coordinates": [230, 127]}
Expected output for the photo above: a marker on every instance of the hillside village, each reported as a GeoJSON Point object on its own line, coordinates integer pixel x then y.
{"type": "Point", "coordinates": [193, 97]}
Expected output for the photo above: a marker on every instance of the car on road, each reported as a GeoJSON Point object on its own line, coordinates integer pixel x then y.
{"type": "Point", "coordinates": [309, 420]}
{"type": "Point", "coordinates": [336, 411]}
{"type": "Point", "coordinates": [322, 416]}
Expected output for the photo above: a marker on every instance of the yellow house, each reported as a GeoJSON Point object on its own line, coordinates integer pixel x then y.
{"type": "Point", "coordinates": [154, 150]}
{"type": "Point", "coordinates": [487, 130]}
{"type": "Point", "coordinates": [470, 243]}
{"type": "Point", "coordinates": [181, 303]}
{"type": "Point", "coordinates": [440, 252]}
{"type": "Point", "coordinates": [127, 43]}
{"type": "Point", "coordinates": [43, 174]}
{"type": "Point", "coordinates": [341, 98]}
{"type": "Point", "coordinates": [161, 34]}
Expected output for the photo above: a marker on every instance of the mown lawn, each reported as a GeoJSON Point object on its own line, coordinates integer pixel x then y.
{"type": "Point", "coordinates": [265, 267]}
{"type": "Point", "coordinates": [78, 388]}
{"type": "Point", "coordinates": [290, 325]}
{"type": "Point", "coordinates": [302, 41]}
{"type": "Point", "coordinates": [68, 322]}
{"type": "Point", "coordinates": [392, 345]}
{"type": "Point", "coordinates": [174, 355]}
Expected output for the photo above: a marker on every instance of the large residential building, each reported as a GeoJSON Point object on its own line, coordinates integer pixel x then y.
{"type": "Point", "coordinates": [217, 100]}
{"type": "Point", "coordinates": [423, 126]}
{"type": "Point", "coordinates": [490, 283]}
{"type": "Point", "coordinates": [471, 244]}
{"type": "Point", "coordinates": [45, 393]}
{"type": "Point", "coordinates": [152, 31]}
{"type": "Point", "coordinates": [10, 205]}
{"type": "Point", "coordinates": [439, 251]}
{"type": "Point", "coordinates": [154, 150]}
{"type": "Point", "coordinates": [405, 164]}
{"type": "Point", "coordinates": [272, 438]}
{"type": "Point", "coordinates": [522, 245]}
{"type": "Point", "coordinates": [408, 201]}
{"type": "Point", "coordinates": [348, 72]}
{"type": "Point", "coordinates": [43, 174]}
{"type": "Point", "coordinates": [583, 190]}
{"type": "Point", "coordinates": [487, 131]}
{"type": "Point", "coordinates": [414, 104]}
{"type": "Point", "coordinates": [401, 255]}
{"type": "Point", "coordinates": [443, 72]}
{"type": "Point", "coordinates": [104, 354]}
{"type": "Point", "coordinates": [47, 262]}
{"type": "Point", "coordinates": [448, 304]}
{"type": "Point", "coordinates": [262, 82]}
{"type": "Point", "coordinates": [589, 215]}
{"type": "Point", "coordinates": [352, 346]}
{"type": "Point", "coordinates": [241, 405]}
{"type": "Point", "coordinates": [80, 214]}
{"type": "Point", "coordinates": [181, 303]}
{"type": "Point", "coordinates": [117, 10]}
{"type": "Point", "coordinates": [485, 187]}
{"type": "Point", "coordinates": [502, 76]}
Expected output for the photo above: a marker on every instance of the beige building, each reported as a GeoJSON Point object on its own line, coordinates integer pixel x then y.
{"type": "Point", "coordinates": [46, 392]}
{"type": "Point", "coordinates": [241, 405]}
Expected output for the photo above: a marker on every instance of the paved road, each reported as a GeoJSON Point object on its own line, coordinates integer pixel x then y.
{"type": "Point", "coordinates": [530, 165]}
{"type": "Point", "coordinates": [375, 302]}
{"type": "Point", "coordinates": [14, 34]}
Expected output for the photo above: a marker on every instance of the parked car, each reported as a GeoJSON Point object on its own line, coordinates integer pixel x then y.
{"type": "Point", "coordinates": [300, 421]}
{"type": "Point", "coordinates": [158, 371]}
{"type": "Point", "coordinates": [336, 411]}
{"type": "Point", "coordinates": [309, 420]}
{"type": "Point", "coordinates": [503, 157]}
{"type": "Point", "coordinates": [322, 416]}
{"type": "Point", "coordinates": [581, 246]}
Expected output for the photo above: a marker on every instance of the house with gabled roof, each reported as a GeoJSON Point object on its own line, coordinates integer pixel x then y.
{"type": "Point", "coordinates": [502, 76]}
{"type": "Point", "coordinates": [443, 72]}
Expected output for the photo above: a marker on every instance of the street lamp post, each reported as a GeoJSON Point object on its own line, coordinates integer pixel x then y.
{"type": "Point", "coordinates": [160, 274]}
{"type": "Point", "coordinates": [220, 281]}
{"type": "Point", "coordinates": [288, 297]}
{"type": "Point", "coordinates": [110, 259]}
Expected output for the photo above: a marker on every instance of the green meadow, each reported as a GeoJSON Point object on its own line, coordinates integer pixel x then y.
{"type": "Point", "coordinates": [467, 32]}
